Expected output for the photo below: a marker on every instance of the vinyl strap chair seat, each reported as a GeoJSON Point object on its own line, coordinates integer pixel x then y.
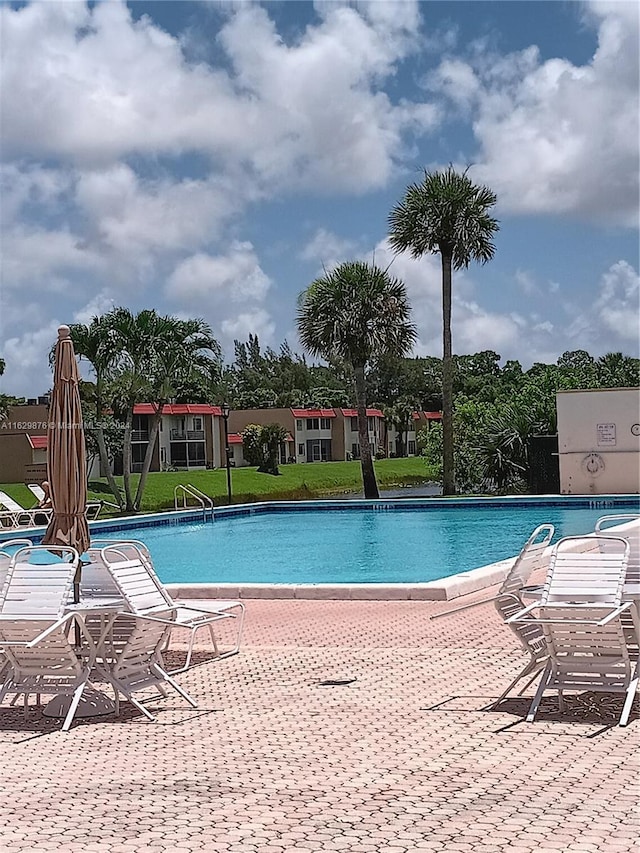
{"type": "Point", "coordinates": [131, 568]}
{"type": "Point", "coordinates": [580, 615]}
{"type": "Point", "coordinates": [35, 633]}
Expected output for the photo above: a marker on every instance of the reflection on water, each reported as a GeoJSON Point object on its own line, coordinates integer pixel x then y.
{"type": "Point", "coordinates": [424, 490]}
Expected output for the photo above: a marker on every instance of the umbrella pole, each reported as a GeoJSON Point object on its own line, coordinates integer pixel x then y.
{"type": "Point", "coordinates": [76, 600]}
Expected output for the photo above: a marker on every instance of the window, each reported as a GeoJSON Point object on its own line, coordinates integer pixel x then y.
{"type": "Point", "coordinates": [313, 423]}
{"type": "Point", "coordinates": [299, 426]}
{"type": "Point", "coordinates": [355, 450]}
{"type": "Point", "coordinates": [325, 423]}
{"type": "Point", "coordinates": [371, 424]}
{"type": "Point", "coordinates": [195, 454]}
{"type": "Point", "coordinates": [319, 450]}
{"type": "Point", "coordinates": [138, 452]}
{"type": "Point", "coordinates": [354, 424]}
{"type": "Point", "coordinates": [301, 450]}
{"type": "Point", "coordinates": [412, 448]}
{"type": "Point", "coordinates": [197, 424]}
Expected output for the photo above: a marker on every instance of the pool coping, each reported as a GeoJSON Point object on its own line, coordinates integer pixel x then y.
{"type": "Point", "coordinates": [441, 589]}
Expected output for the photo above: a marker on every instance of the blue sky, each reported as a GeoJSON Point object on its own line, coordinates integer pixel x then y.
{"type": "Point", "coordinates": [207, 159]}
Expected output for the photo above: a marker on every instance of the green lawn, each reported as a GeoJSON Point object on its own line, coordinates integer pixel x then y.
{"type": "Point", "coordinates": [301, 481]}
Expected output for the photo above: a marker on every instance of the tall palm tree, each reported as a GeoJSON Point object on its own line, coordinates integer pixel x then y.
{"type": "Point", "coordinates": [356, 314]}
{"type": "Point", "coordinates": [446, 214]}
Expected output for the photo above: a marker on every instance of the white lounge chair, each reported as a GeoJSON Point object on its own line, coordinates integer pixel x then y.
{"type": "Point", "coordinates": [630, 530]}
{"type": "Point", "coordinates": [93, 507]}
{"type": "Point", "coordinates": [508, 602]}
{"type": "Point", "coordinates": [16, 516]}
{"type": "Point", "coordinates": [148, 596]}
{"type": "Point", "coordinates": [7, 552]}
{"type": "Point", "coordinates": [35, 632]}
{"type": "Point", "coordinates": [580, 615]}
{"type": "Point", "coordinates": [132, 660]}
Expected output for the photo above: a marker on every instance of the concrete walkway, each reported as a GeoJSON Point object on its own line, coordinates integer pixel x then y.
{"type": "Point", "coordinates": [391, 754]}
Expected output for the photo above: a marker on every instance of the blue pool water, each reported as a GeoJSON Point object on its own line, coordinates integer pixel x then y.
{"type": "Point", "coordinates": [355, 545]}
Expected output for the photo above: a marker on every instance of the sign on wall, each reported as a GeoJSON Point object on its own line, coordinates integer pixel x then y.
{"type": "Point", "coordinates": [606, 435]}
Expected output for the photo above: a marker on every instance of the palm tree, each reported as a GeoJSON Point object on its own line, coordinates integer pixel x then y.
{"type": "Point", "coordinates": [95, 343]}
{"type": "Point", "coordinates": [446, 214]}
{"type": "Point", "coordinates": [144, 357]}
{"type": "Point", "coordinates": [161, 356]}
{"type": "Point", "coordinates": [354, 315]}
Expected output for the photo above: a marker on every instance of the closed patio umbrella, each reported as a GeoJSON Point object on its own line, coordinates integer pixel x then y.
{"type": "Point", "coordinates": [67, 472]}
{"type": "Point", "coordinates": [66, 454]}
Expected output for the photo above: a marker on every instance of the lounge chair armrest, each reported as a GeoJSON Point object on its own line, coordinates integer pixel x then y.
{"type": "Point", "coordinates": [131, 615]}
{"type": "Point", "coordinates": [50, 630]}
{"type": "Point", "coordinates": [517, 617]}
{"type": "Point", "coordinates": [615, 613]}
{"type": "Point", "coordinates": [224, 612]}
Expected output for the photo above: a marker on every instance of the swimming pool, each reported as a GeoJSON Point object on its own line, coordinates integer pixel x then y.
{"type": "Point", "coordinates": [315, 542]}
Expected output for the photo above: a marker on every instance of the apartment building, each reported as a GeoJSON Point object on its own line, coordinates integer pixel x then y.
{"type": "Point", "coordinates": [189, 437]}
{"type": "Point", "coordinates": [23, 443]}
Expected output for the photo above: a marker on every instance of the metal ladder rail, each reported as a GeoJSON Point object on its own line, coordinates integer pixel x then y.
{"type": "Point", "coordinates": [190, 491]}
{"type": "Point", "coordinates": [198, 493]}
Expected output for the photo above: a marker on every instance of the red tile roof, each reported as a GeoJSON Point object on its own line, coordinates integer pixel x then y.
{"type": "Point", "coordinates": [38, 442]}
{"type": "Point", "coordinates": [433, 416]}
{"type": "Point", "coordinates": [353, 413]}
{"type": "Point", "coordinates": [313, 413]}
{"type": "Point", "coordinates": [178, 409]}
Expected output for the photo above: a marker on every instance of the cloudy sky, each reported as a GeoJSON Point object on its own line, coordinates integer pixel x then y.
{"type": "Point", "coordinates": [207, 159]}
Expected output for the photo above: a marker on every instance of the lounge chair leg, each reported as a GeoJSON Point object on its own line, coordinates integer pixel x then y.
{"type": "Point", "coordinates": [561, 702]}
{"type": "Point", "coordinates": [628, 702]}
{"type": "Point", "coordinates": [533, 709]}
{"type": "Point", "coordinates": [522, 674]}
{"type": "Point", "coordinates": [214, 642]}
{"type": "Point", "coordinates": [77, 693]}
{"type": "Point", "coordinates": [533, 678]}
{"type": "Point", "coordinates": [175, 685]}
{"type": "Point", "coordinates": [187, 660]}
{"type": "Point", "coordinates": [120, 687]}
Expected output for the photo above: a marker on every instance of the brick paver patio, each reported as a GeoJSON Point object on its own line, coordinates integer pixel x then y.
{"type": "Point", "coordinates": [401, 758]}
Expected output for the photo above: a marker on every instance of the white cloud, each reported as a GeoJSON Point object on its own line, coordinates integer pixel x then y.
{"type": "Point", "coordinates": [310, 113]}
{"type": "Point", "coordinates": [526, 282]}
{"type": "Point", "coordinates": [328, 248]}
{"type": "Point", "coordinates": [25, 353]}
{"type": "Point", "coordinates": [618, 304]}
{"type": "Point", "coordinates": [556, 137]}
{"type": "Point", "coordinates": [234, 277]}
{"type": "Point", "coordinates": [220, 288]}
{"type": "Point", "coordinates": [136, 222]}
{"type": "Point", "coordinates": [40, 258]}
{"type": "Point", "coordinates": [240, 326]}
{"type": "Point", "coordinates": [95, 307]}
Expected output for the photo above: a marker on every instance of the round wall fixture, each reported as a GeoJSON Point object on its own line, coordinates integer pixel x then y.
{"type": "Point", "coordinates": [635, 429]}
{"type": "Point", "coordinates": [593, 464]}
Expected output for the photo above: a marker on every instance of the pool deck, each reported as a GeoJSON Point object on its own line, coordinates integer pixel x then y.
{"type": "Point", "coordinates": [400, 759]}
